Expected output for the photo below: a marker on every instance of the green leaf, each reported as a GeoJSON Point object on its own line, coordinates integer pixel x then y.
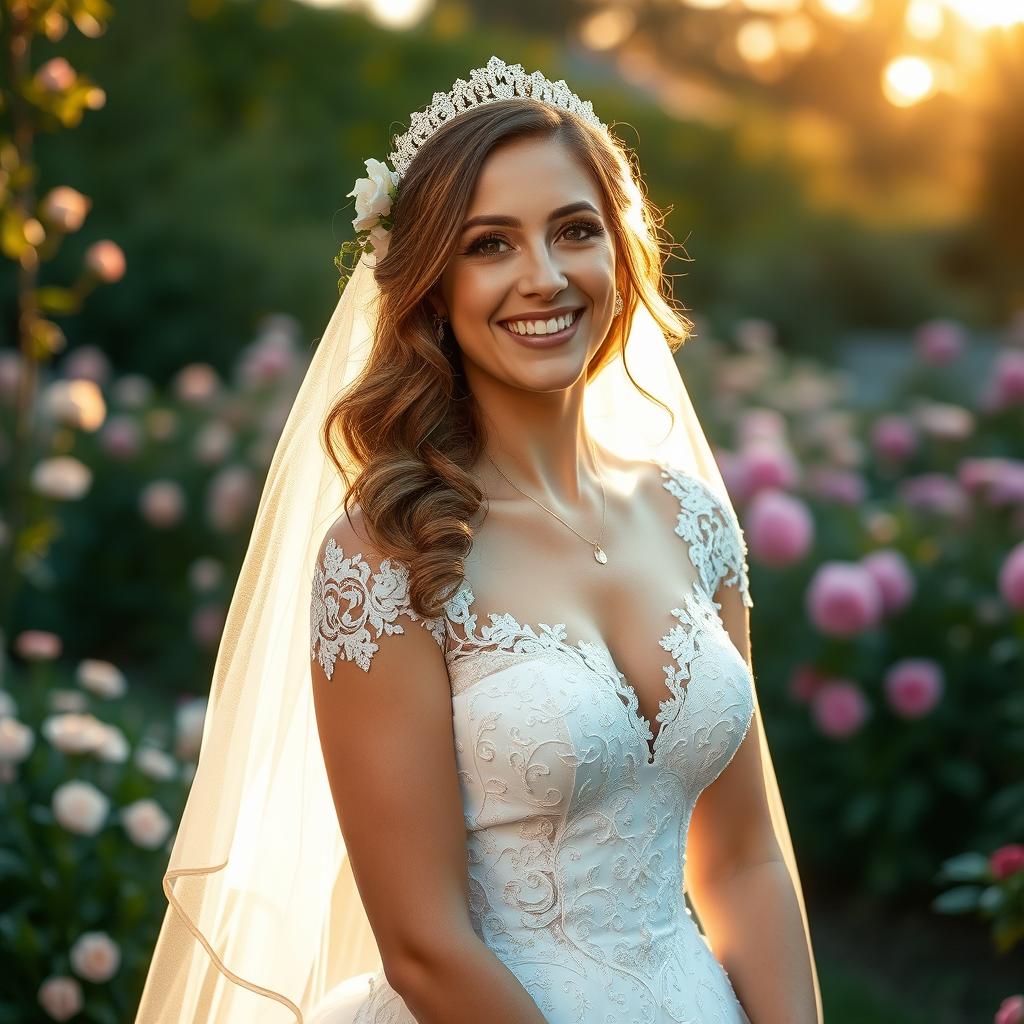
{"type": "Point", "coordinates": [964, 867]}
{"type": "Point", "coordinates": [12, 865]}
{"type": "Point", "coordinates": [957, 901]}
{"type": "Point", "coordinates": [1007, 934]}
{"type": "Point", "coordinates": [992, 898]}
{"type": "Point", "coordinates": [860, 812]}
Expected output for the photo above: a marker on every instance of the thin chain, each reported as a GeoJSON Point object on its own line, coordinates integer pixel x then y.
{"type": "Point", "coordinates": [593, 543]}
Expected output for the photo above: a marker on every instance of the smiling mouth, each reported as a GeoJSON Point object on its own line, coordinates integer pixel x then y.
{"type": "Point", "coordinates": [540, 328]}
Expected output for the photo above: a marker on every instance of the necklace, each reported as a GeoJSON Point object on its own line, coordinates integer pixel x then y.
{"type": "Point", "coordinates": [599, 555]}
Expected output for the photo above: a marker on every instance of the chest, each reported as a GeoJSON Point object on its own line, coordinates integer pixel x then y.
{"type": "Point", "coordinates": [639, 614]}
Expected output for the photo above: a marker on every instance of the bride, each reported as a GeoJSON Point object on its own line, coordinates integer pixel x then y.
{"type": "Point", "coordinates": [489, 644]}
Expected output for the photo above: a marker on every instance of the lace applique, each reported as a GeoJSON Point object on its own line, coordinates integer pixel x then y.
{"type": "Point", "coordinates": [718, 548]}
{"type": "Point", "coordinates": [349, 600]}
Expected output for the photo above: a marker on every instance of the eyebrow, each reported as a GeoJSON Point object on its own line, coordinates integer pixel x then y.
{"type": "Point", "coordinates": [514, 222]}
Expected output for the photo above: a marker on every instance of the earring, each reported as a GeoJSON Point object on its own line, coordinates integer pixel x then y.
{"type": "Point", "coordinates": [618, 303]}
{"type": "Point", "coordinates": [439, 322]}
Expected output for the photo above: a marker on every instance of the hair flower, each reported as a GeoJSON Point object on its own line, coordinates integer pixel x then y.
{"type": "Point", "coordinates": [374, 197]}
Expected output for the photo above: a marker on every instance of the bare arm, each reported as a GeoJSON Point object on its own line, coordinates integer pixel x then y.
{"type": "Point", "coordinates": [741, 886]}
{"type": "Point", "coordinates": [386, 735]}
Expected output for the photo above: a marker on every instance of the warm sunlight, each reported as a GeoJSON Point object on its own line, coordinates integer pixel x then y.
{"type": "Point", "coordinates": [982, 14]}
{"type": "Point", "coordinates": [908, 80]}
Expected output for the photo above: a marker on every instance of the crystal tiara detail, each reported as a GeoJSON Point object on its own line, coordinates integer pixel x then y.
{"type": "Point", "coordinates": [496, 81]}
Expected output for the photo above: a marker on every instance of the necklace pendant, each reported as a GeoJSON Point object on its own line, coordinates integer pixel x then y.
{"type": "Point", "coordinates": [599, 554]}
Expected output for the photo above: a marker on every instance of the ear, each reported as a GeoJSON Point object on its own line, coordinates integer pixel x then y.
{"type": "Point", "coordinates": [436, 304]}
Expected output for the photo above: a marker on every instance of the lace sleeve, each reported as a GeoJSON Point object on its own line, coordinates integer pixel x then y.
{"type": "Point", "coordinates": [718, 547]}
{"type": "Point", "coordinates": [352, 607]}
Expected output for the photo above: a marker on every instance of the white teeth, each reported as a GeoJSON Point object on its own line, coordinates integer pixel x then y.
{"type": "Point", "coordinates": [541, 326]}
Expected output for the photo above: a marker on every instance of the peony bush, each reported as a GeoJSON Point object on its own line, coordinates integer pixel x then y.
{"type": "Point", "coordinates": [891, 542]}
{"type": "Point", "coordinates": [90, 784]}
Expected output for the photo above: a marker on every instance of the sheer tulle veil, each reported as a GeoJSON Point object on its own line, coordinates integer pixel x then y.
{"type": "Point", "coordinates": [264, 923]}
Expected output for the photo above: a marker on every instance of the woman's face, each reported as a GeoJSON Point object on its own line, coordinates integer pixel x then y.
{"type": "Point", "coordinates": [535, 246]}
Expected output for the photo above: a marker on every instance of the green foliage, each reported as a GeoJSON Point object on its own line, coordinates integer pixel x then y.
{"type": "Point", "coordinates": [228, 182]}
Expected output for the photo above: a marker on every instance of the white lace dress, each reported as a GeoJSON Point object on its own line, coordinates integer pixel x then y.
{"type": "Point", "coordinates": [576, 823]}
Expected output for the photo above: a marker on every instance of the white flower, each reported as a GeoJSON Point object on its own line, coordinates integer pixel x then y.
{"type": "Point", "coordinates": [62, 477]}
{"type": "Point", "coordinates": [205, 574]}
{"type": "Point", "coordinates": [190, 719]}
{"type": "Point", "coordinates": [156, 763]}
{"type": "Point", "coordinates": [73, 732]}
{"type": "Point", "coordinates": [380, 239]}
{"type": "Point", "coordinates": [95, 956]}
{"type": "Point", "coordinates": [373, 194]}
{"type": "Point", "coordinates": [146, 824]}
{"type": "Point", "coordinates": [114, 747]}
{"type": "Point", "coordinates": [75, 403]}
{"type": "Point", "coordinates": [16, 740]}
{"type": "Point", "coordinates": [80, 807]}
{"type": "Point", "coordinates": [101, 678]}
{"type": "Point", "coordinates": [61, 997]}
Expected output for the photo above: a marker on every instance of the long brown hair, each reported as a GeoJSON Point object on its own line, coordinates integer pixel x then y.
{"type": "Point", "coordinates": [409, 421]}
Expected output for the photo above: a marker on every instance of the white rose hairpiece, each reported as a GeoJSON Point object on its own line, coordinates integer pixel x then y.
{"type": "Point", "coordinates": [375, 194]}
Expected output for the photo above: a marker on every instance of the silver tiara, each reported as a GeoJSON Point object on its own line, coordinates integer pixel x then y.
{"type": "Point", "coordinates": [496, 81]}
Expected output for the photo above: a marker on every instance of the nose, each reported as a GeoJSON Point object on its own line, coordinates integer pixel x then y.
{"type": "Point", "coordinates": [542, 274]}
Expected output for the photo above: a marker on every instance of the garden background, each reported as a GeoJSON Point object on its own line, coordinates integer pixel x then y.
{"type": "Point", "coordinates": [843, 178]}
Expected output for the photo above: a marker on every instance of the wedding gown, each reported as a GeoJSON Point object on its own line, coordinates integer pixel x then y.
{"type": "Point", "coordinates": [576, 822]}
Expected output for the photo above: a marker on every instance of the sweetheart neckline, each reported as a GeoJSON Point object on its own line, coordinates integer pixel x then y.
{"type": "Point", "coordinates": [555, 635]}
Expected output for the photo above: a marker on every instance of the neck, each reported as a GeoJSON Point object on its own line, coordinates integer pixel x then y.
{"type": "Point", "coordinates": [540, 442]}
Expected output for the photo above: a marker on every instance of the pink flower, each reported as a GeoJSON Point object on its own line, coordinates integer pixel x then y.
{"type": "Point", "coordinates": [106, 260]}
{"type": "Point", "coordinates": [56, 75]}
{"type": "Point", "coordinates": [913, 686]}
{"type": "Point", "coordinates": [87, 362]}
{"type": "Point", "coordinates": [760, 425]}
{"type": "Point", "coordinates": [65, 207]}
{"type": "Point", "coordinates": [121, 437]}
{"type": "Point", "coordinates": [767, 464]}
{"type": "Point", "coordinates": [779, 528]}
{"type": "Point", "coordinates": [999, 480]}
{"type": "Point", "coordinates": [841, 486]}
{"type": "Point", "coordinates": [10, 374]}
{"type": "Point", "coordinates": [1011, 1010]}
{"type": "Point", "coordinates": [132, 390]}
{"type": "Point", "coordinates": [1006, 861]}
{"type": "Point", "coordinates": [892, 574]}
{"type": "Point", "coordinates": [207, 625]}
{"type": "Point", "coordinates": [733, 476]}
{"type": "Point", "coordinates": [196, 383]}
{"type": "Point", "coordinates": [939, 341]}
{"type": "Point", "coordinates": [162, 503]}
{"type": "Point", "coordinates": [839, 708]}
{"type": "Point", "coordinates": [61, 997]}
{"type": "Point", "coordinates": [1011, 578]}
{"type": "Point", "coordinates": [804, 683]}
{"type": "Point", "coordinates": [38, 645]}
{"type": "Point", "coordinates": [843, 599]}
{"type": "Point", "coordinates": [1006, 385]}
{"type": "Point", "coordinates": [935, 492]}
{"type": "Point", "coordinates": [894, 438]}
{"type": "Point", "coordinates": [231, 497]}
{"type": "Point", "coordinates": [754, 334]}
